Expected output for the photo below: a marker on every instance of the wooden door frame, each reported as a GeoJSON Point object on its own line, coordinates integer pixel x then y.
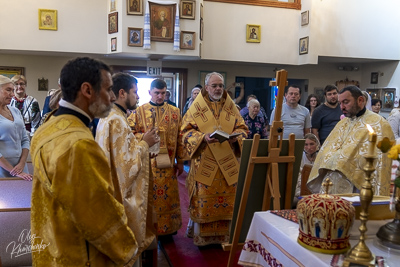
{"type": "Point", "coordinates": [182, 82]}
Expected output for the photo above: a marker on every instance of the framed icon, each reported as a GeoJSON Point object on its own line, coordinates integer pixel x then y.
{"type": "Point", "coordinates": [303, 46]}
{"type": "Point", "coordinates": [113, 22]}
{"type": "Point", "coordinates": [135, 36]}
{"type": "Point", "coordinates": [47, 19]}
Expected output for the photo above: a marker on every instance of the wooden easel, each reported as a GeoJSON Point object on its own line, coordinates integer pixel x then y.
{"type": "Point", "coordinates": [271, 189]}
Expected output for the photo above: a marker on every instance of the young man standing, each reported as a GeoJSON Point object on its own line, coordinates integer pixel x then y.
{"type": "Point", "coordinates": [326, 116]}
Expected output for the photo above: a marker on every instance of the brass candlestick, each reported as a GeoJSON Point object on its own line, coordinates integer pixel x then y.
{"type": "Point", "coordinates": [360, 253]}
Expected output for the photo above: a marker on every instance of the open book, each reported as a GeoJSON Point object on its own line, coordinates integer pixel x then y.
{"type": "Point", "coordinates": [223, 136]}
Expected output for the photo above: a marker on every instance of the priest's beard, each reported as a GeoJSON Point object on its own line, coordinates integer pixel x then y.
{"type": "Point", "coordinates": [99, 109]}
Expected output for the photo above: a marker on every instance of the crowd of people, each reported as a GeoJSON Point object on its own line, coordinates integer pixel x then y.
{"type": "Point", "coordinates": [104, 194]}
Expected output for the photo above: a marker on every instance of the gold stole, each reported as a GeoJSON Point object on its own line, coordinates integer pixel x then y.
{"type": "Point", "coordinates": [162, 159]}
{"type": "Point", "coordinates": [216, 155]}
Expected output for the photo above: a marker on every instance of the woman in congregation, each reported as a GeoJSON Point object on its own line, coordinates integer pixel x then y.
{"type": "Point", "coordinates": [193, 95]}
{"type": "Point", "coordinates": [27, 105]}
{"type": "Point", "coordinates": [312, 103]}
{"type": "Point", "coordinates": [376, 105]}
{"type": "Point", "coordinates": [254, 121]}
{"type": "Point", "coordinates": [311, 148]}
{"type": "Point", "coordinates": [14, 140]}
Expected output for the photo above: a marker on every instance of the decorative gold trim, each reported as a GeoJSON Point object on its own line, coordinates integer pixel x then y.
{"type": "Point", "coordinates": [295, 5]}
{"type": "Point", "coordinates": [324, 251]}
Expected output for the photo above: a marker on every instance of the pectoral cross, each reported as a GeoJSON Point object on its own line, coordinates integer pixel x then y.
{"type": "Point", "coordinates": [327, 183]}
{"type": "Point", "coordinates": [200, 112]}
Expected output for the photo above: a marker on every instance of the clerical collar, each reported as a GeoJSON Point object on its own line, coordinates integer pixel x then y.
{"type": "Point", "coordinates": [69, 108]}
{"type": "Point", "coordinates": [361, 112]}
{"type": "Point", "coordinates": [120, 107]}
{"type": "Point", "coordinates": [155, 104]}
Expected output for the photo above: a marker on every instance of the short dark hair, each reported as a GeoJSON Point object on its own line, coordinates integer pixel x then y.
{"type": "Point", "coordinates": [329, 88]}
{"type": "Point", "coordinates": [253, 96]}
{"type": "Point", "coordinates": [198, 86]}
{"type": "Point", "coordinates": [158, 83]}
{"type": "Point", "coordinates": [294, 86]}
{"type": "Point", "coordinates": [375, 101]}
{"type": "Point", "coordinates": [354, 91]}
{"type": "Point", "coordinates": [124, 81]}
{"type": "Point", "coordinates": [80, 70]}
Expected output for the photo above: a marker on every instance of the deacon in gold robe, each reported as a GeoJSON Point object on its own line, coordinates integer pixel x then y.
{"type": "Point", "coordinates": [342, 156]}
{"type": "Point", "coordinates": [214, 166]}
{"type": "Point", "coordinates": [75, 218]}
{"type": "Point", "coordinates": [130, 161]}
{"type": "Point", "coordinates": [167, 120]}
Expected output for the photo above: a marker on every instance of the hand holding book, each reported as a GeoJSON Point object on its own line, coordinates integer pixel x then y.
{"type": "Point", "coordinates": [222, 136]}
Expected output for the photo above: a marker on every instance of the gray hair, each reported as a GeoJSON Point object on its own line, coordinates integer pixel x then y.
{"type": "Point", "coordinates": [208, 76]}
{"type": "Point", "coordinates": [253, 102]}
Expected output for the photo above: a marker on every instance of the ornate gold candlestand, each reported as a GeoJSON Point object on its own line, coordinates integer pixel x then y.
{"type": "Point", "coordinates": [360, 253]}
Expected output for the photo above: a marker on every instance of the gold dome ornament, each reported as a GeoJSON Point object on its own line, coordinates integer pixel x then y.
{"type": "Point", "coordinates": [325, 222]}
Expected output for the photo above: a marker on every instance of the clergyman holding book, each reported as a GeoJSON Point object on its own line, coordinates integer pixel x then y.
{"type": "Point", "coordinates": [214, 169]}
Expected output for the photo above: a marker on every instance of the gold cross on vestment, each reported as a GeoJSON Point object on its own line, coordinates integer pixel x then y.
{"type": "Point", "coordinates": [327, 183]}
{"type": "Point", "coordinates": [229, 111]}
{"type": "Point", "coordinates": [200, 112]}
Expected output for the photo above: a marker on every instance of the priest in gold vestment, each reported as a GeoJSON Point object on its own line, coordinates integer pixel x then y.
{"type": "Point", "coordinates": [167, 120]}
{"type": "Point", "coordinates": [130, 161]}
{"type": "Point", "coordinates": [75, 218]}
{"type": "Point", "coordinates": [214, 166]}
{"type": "Point", "coordinates": [342, 156]}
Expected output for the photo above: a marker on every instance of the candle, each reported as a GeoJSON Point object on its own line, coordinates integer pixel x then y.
{"type": "Point", "coordinates": [372, 140]}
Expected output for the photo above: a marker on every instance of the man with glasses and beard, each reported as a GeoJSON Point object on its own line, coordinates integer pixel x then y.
{"type": "Point", "coordinates": [130, 161]}
{"type": "Point", "coordinates": [326, 116]}
{"type": "Point", "coordinates": [214, 167]}
{"type": "Point", "coordinates": [75, 218]}
{"type": "Point", "coordinates": [341, 158]}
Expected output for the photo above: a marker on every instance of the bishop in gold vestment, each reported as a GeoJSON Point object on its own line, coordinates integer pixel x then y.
{"type": "Point", "coordinates": [214, 167]}
{"type": "Point", "coordinates": [344, 150]}
{"type": "Point", "coordinates": [167, 120]}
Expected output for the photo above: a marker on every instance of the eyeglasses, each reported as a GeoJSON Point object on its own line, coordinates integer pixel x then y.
{"type": "Point", "coordinates": [216, 85]}
{"type": "Point", "coordinates": [20, 84]}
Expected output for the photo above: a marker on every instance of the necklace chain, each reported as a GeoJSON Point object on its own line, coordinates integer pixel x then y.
{"type": "Point", "coordinates": [9, 113]}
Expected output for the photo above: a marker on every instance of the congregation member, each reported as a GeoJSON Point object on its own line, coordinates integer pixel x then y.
{"type": "Point", "coordinates": [232, 93]}
{"type": "Point", "coordinates": [14, 141]}
{"type": "Point", "coordinates": [312, 103]}
{"type": "Point", "coordinates": [341, 156]}
{"type": "Point", "coordinates": [211, 181]}
{"type": "Point", "coordinates": [295, 117]}
{"type": "Point", "coordinates": [244, 111]}
{"type": "Point", "coordinates": [53, 104]}
{"type": "Point", "coordinates": [130, 161]}
{"type": "Point", "coordinates": [167, 120]}
{"type": "Point", "coordinates": [327, 115]}
{"type": "Point", "coordinates": [27, 105]}
{"type": "Point", "coordinates": [394, 121]}
{"type": "Point", "coordinates": [167, 98]}
{"type": "Point", "coordinates": [376, 105]}
{"type": "Point", "coordinates": [310, 152]}
{"type": "Point", "coordinates": [75, 217]}
{"type": "Point", "coordinates": [195, 91]}
{"type": "Point", "coordinates": [256, 123]}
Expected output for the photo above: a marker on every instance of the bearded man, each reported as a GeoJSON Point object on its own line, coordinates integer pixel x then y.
{"type": "Point", "coordinates": [326, 116]}
{"type": "Point", "coordinates": [130, 161]}
{"type": "Point", "coordinates": [341, 156]}
{"type": "Point", "coordinates": [214, 168]}
{"type": "Point", "coordinates": [74, 212]}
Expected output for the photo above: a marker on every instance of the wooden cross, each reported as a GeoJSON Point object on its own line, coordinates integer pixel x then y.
{"type": "Point", "coordinates": [327, 183]}
{"type": "Point", "coordinates": [200, 112]}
